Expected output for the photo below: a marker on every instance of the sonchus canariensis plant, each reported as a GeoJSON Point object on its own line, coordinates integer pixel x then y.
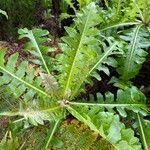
{"type": "Point", "coordinates": [37, 93]}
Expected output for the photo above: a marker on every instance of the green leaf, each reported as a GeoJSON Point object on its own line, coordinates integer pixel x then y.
{"type": "Point", "coordinates": [129, 99]}
{"type": "Point", "coordinates": [9, 143]}
{"type": "Point", "coordinates": [69, 2]}
{"type": "Point", "coordinates": [52, 133]}
{"type": "Point", "coordinates": [144, 127]}
{"type": "Point", "coordinates": [83, 53]}
{"type": "Point", "coordinates": [27, 96]}
{"type": "Point", "coordinates": [135, 43]}
{"type": "Point", "coordinates": [57, 144]}
{"type": "Point", "coordinates": [37, 38]}
{"type": "Point", "coordinates": [36, 115]}
{"type": "Point", "coordinates": [29, 137]}
{"type": "Point", "coordinates": [79, 50]}
{"type": "Point", "coordinates": [105, 58]}
{"type": "Point", "coordinates": [107, 125]}
{"type": "Point", "coordinates": [10, 69]}
{"type": "Point", "coordinates": [83, 3]}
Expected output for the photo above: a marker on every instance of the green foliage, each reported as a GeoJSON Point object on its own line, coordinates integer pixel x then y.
{"type": "Point", "coordinates": [37, 94]}
{"type": "Point", "coordinates": [120, 11]}
{"type": "Point", "coordinates": [83, 52]}
{"type": "Point", "coordinates": [109, 49]}
{"type": "Point", "coordinates": [36, 46]}
{"type": "Point", "coordinates": [136, 41]}
{"type": "Point", "coordinates": [24, 84]}
{"type": "Point", "coordinates": [8, 142]}
{"type": "Point", "coordinates": [144, 126]}
{"type": "Point", "coordinates": [31, 138]}
{"type": "Point", "coordinates": [78, 50]}
{"type": "Point", "coordinates": [108, 126]}
{"type": "Point", "coordinates": [84, 2]}
{"type": "Point", "coordinates": [128, 99]}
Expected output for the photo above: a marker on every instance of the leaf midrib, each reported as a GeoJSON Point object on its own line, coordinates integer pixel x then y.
{"type": "Point", "coordinates": [106, 104]}
{"type": "Point", "coordinates": [101, 58]}
{"type": "Point", "coordinates": [29, 112]}
{"type": "Point", "coordinates": [74, 61]}
{"type": "Point", "coordinates": [38, 49]}
{"type": "Point", "coordinates": [131, 52]}
{"type": "Point", "coordinates": [26, 83]}
{"type": "Point", "coordinates": [87, 123]}
{"type": "Point", "coordinates": [142, 132]}
{"type": "Point", "coordinates": [120, 25]}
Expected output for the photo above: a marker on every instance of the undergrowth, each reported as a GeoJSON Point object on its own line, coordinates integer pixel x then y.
{"type": "Point", "coordinates": [40, 95]}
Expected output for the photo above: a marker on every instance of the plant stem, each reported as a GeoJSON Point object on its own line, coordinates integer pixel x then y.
{"type": "Point", "coordinates": [105, 105]}
{"type": "Point", "coordinates": [76, 55]}
{"type": "Point", "coordinates": [52, 133]}
{"type": "Point", "coordinates": [38, 49]}
{"type": "Point", "coordinates": [120, 25]}
{"type": "Point", "coordinates": [142, 133]}
{"type": "Point", "coordinates": [102, 58]}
